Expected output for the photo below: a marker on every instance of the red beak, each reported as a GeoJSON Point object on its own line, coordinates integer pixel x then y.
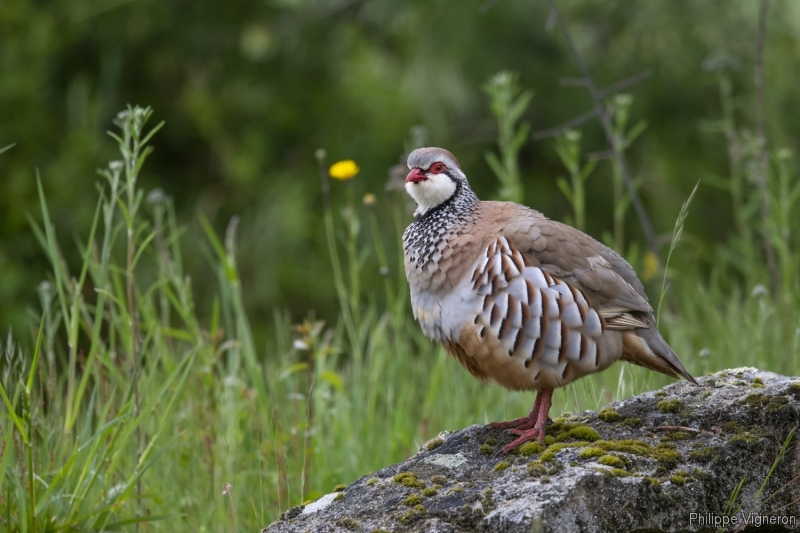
{"type": "Point", "coordinates": [416, 175]}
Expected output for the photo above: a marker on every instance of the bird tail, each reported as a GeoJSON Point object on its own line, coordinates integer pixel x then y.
{"type": "Point", "coordinates": [646, 347]}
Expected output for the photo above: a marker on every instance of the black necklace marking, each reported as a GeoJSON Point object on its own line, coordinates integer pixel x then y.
{"type": "Point", "coordinates": [423, 237]}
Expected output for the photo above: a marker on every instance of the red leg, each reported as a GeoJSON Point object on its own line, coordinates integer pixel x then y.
{"type": "Point", "coordinates": [524, 422]}
{"type": "Point", "coordinates": [544, 401]}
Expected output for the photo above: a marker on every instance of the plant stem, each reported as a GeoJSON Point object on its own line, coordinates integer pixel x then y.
{"type": "Point", "coordinates": [763, 156]}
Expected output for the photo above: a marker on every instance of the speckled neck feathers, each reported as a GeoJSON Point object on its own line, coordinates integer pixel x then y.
{"type": "Point", "coordinates": [429, 232]}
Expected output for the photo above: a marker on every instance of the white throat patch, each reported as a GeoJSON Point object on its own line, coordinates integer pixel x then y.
{"type": "Point", "coordinates": [430, 192]}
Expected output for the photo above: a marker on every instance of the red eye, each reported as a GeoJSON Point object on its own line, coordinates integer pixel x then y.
{"type": "Point", "coordinates": [437, 168]}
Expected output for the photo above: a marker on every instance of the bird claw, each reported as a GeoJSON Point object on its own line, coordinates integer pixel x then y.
{"type": "Point", "coordinates": [516, 423]}
{"type": "Point", "coordinates": [524, 436]}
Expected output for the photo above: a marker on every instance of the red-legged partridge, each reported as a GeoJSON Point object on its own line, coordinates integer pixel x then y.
{"type": "Point", "coordinates": [518, 299]}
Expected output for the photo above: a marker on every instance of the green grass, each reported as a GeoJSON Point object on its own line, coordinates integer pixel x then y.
{"type": "Point", "coordinates": [137, 406]}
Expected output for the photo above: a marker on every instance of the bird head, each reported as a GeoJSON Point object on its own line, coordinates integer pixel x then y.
{"type": "Point", "coordinates": [434, 178]}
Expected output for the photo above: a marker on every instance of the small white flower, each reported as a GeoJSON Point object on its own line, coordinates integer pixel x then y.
{"type": "Point", "coordinates": [300, 345]}
{"type": "Point", "coordinates": [705, 352]}
{"type": "Point", "coordinates": [759, 290]}
{"type": "Point", "coordinates": [114, 491]}
{"type": "Point", "coordinates": [115, 165]}
{"type": "Point", "coordinates": [156, 196]}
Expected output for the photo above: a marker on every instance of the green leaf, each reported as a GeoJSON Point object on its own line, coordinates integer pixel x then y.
{"type": "Point", "coordinates": [637, 130]}
{"type": "Point", "coordinates": [494, 164]}
{"type": "Point", "coordinates": [36, 352]}
{"type": "Point", "coordinates": [331, 377]}
{"type": "Point", "coordinates": [564, 185]}
{"type": "Point", "coordinates": [292, 369]}
{"type": "Point", "coordinates": [14, 417]}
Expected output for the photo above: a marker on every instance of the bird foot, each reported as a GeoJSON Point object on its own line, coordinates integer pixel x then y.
{"type": "Point", "coordinates": [524, 436]}
{"type": "Point", "coordinates": [516, 423]}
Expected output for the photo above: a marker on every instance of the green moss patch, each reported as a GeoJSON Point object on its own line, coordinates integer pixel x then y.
{"type": "Point", "coordinates": [530, 448]}
{"type": "Point", "coordinates": [539, 469]}
{"type": "Point", "coordinates": [704, 453]}
{"type": "Point", "coordinates": [339, 488]}
{"type": "Point", "coordinates": [418, 511]}
{"type": "Point", "coordinates": [434, 443]}
{"type": "Point", "coordinates": [669, 406]}
{"type": "Point", "coordinates": [770, 404]}
{"type": "Point", "coordinates": [611, 460]}
{"type": "Point", "coordinates": [412, 500]}
{"type": "Point", "coordinates": [485, 449]}
{"type": "Point", "coordinates": [439, 480]}
{"type": "Point", "coordinates": [591, 452]}
{"type": "Point", "coordinates": [407, 479]}
{"type": "Point", "coordinates": [608, 415]}
{"type": "Point", "coordinates": [371, 481]}
{"type": "Point", "coordinates": [536, 469]}
{"type": "Point", "coordinates": [676, 435]}
{"type": "Point", "coordinates": [499, 467]}
{"type": "Point", "coordinates": [680, 478]}
{"type": "Point", "coordinates": [550, 453]}
{"type": "Point", "coordinates": [347, 523]}
{"type": "Point", "coordinates": [564, 431]}
{"type": "Point", "coordinates": [430, 491]}
{"type": "Point", "coordinates": [632, 422]}
{"type": "Point", "coordinates": [665, 453]}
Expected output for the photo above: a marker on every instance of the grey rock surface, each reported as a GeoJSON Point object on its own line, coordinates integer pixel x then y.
{"type": "Point", "coordinates": [644, 464]}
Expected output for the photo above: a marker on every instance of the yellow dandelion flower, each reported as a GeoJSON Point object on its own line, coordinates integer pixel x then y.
{"type": "Point", "coordinates": [369, 199]}
{"type": "Point", "coordinates": [650, 266]}
{"type": "Point", "coordinates": [343, 170]}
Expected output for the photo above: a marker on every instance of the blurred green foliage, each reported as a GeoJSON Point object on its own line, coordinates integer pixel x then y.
{"type": "Point", "coordinates": [234, 240]}
{"type": "Point", "coordinates": [249, 90]}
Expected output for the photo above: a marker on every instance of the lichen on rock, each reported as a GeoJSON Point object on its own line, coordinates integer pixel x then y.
{"type": "Point", "coordinates": [591, 468]}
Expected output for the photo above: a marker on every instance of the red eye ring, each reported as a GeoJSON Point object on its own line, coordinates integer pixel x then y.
{"type": "Point", "coordinates": [437, 168]}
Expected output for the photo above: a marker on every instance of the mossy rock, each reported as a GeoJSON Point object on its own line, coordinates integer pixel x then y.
{"type": "Point", "coordinates": [659, 475]}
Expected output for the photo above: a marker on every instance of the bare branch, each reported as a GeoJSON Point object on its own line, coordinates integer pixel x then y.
{"type": "Point", "coordinates": [600, 155]}
{"type": "Point", "coordinates": [677, 428]}
{"type": "Point", "coordinates": [763, 156]}
{"type": "Point", "coordinates": [575, 82]}
{"type": "Point", "coordinates": [605, 120]}
{"type": "Point", "coordinates": [561, 128]}
{"type": "Point", "coordinates": [625, 83]}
